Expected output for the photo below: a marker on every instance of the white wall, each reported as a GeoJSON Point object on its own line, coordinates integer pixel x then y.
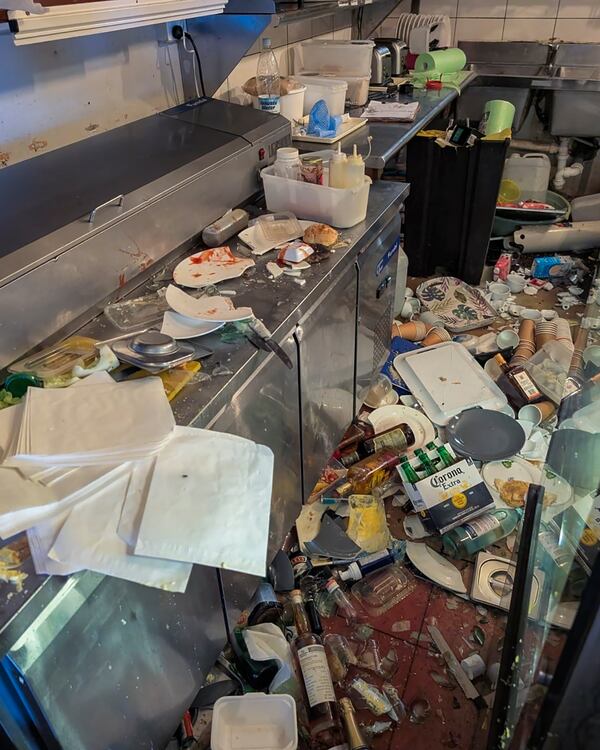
{"type": "Point", "coordinates": [53, 94]}
{"type": "Point", "coordinates": [514, 20]}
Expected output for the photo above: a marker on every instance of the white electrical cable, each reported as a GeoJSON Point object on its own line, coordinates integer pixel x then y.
{"type": "Point", "coordinates": [193, 54]}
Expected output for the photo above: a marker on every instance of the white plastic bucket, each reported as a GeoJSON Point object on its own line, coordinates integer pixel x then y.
{"type": "Point", "coordinates": [339, 207]}
{"type": "Point", "coordinates": [254, 721]}
{"type": "Point", "coordinates": [292, 104]}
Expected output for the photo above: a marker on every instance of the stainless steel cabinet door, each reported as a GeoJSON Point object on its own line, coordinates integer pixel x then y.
{"type": "Point", "coordinates": [377, 268]}
{"type": "Point", "coordinates": [266, 410]}
{"type": "Point", "coordinates": [116, 664]}
{"type": "Point", "coordinates": [327, 352]}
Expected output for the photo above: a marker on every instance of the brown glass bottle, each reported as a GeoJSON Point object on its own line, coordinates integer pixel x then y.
{"type": "Point", "coordinates": [517, 384]}
{"type": "Point", "coordinates": [370, 472]}
{"type": "Point", "coordinates": [399, 438]}
{"type": "Point", "coordinates": [354, 736]}
{"type": "Point", "coordinates": [322, 709]}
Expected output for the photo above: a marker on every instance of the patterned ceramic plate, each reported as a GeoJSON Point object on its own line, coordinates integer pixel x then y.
{"type": "Point", "coordinates": [459, 306]}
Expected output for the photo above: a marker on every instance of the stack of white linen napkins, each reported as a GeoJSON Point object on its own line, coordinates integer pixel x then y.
{"type": "Point", "coordinates": [142, 502]}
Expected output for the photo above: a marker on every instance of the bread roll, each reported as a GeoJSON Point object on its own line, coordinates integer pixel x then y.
{"type": "Point", "coordinates": [320, 234]}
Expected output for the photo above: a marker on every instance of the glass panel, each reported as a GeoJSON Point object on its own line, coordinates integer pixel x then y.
{"type": "Point", "coordinates": [566, 536]}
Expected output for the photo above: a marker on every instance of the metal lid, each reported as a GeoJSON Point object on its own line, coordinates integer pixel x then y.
{"type": "Point", "coordinates": [154, 343]}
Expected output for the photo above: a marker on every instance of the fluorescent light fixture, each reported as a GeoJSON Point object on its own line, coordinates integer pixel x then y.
{"type": "Point", "coordinates": [82, 19]}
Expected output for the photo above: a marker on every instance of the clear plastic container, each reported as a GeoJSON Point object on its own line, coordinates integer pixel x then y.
{"type": "Point", "coordinates": [335, 57]}
{"type": "Point", "coordinates": [381, 591]}
{"type": "Point", "coordinates": [287, 163]}
{"type": "Point", "coordinates": [339, 207]}
{"type": "Point", "coordinates": [280, 226]}
{"type": "Point", "coordinates": [549, 368]}
{"type": "Point", "coordinates": [333, 91]}
{"type": "Point", "coordinates": [60, 359]}
{"type": "Point", "coordinates": [255, 720]}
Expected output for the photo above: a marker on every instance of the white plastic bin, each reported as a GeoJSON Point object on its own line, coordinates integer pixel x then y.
{"type": "Point", "coordinates": [292, 104]}
{"type": "Point", "coordinates": [332, 90]}
{"type": "Point", "coordinates": [254, 722]}
{"type": "Point", "coordinates": [531, 172]}
{"type": "Point", "coordinates": [335, 57]}
{"type": "Point", "coordinates": [339, 207]}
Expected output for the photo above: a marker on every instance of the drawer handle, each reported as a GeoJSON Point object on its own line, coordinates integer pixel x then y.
{"type": "Point", "coordinates": [116, 201]}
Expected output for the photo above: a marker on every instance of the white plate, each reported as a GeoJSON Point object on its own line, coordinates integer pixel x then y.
{"type": "Point", "coordinates": [215, 309]}
{"type": "Point", "coordinates": [179, 327]}
{"type": "Point", "coordinates": [435, 567]}
{"type": "Point", "coordinates": [445, 379]}
{"type": "Point", "coordinates": [511, 468]}
{"type": "Point", "coordinates": [210, 267]}
{"type": "Point", "coordinates": [558, 486]}
{"type": "Point", "coordinates": [256, 242]}
{"type": "Point", "coordinates": [386, 417]}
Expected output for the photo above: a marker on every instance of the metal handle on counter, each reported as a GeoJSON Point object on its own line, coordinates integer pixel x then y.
{"type": "Point", "coordinates": [119, 202]}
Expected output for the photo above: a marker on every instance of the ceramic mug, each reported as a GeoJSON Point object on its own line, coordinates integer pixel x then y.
{"type": "Point", "coordinates": [499, 291]}
{"type": "Point", "coordinates": [430, 319]}
{"type": "Point", "coordinates": [507, 339]}
{"type": "Point", "coordinates": [528, 314]}
{"type": "Point", "coordinates": [516, 283]}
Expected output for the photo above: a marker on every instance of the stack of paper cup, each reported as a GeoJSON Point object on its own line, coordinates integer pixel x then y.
{"type": "Point", "coordinates": [526, 347]}
{"type": "Point", "coordinates": [436, 336]}
{"type": "Point", "coordinates": [416, 330]}
{"type": "Point", "coordinates": [563, 333]}
{"type": "Point", "coordinates": [545, 330]}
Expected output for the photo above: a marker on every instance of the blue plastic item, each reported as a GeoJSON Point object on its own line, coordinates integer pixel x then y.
{"type": "Point", "coordinates": [320, 122]}
{"type": "Point", "coordinates": [398, 346]}
{"type": "Point", "coordinates": [540, 268]}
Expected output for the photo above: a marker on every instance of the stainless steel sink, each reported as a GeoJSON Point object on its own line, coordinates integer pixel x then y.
{"type": "Point", "coordinates": [574, 91]}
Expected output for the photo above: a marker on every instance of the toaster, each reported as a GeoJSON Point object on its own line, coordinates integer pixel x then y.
{"type": "Point", "coordinates": [381, 65]}
{"type": "Point", "coordinates": [398, 48]}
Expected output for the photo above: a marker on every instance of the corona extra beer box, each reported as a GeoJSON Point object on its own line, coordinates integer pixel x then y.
{"type": "Point", "coordinates": [449, 497]}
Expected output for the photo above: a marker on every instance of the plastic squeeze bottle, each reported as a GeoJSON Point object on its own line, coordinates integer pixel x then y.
{"type": "Point", "coordinates": [338, 169]}
{"type": "Point", "coordinates": [355, 169]}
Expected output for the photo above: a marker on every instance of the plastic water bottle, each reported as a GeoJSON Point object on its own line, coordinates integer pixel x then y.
{"type": "Point", "coordinates": [268, 81]}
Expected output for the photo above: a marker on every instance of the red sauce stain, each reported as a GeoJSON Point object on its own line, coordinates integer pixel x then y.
{"type": "Point", "coordinates": [122, 279]}
{"type": "Point", "coordinates": [221, 256]}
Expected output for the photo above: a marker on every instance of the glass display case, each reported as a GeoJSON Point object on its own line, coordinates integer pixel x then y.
{"type": "Point", "coordinates": [554, 607]}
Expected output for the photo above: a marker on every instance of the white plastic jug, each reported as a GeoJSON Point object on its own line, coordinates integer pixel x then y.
{"type": "Point", "coordinates": [531, 172]}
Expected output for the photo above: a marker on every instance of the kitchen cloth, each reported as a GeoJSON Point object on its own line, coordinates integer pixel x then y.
{"type": "Point", "coordinates": [209, 502]}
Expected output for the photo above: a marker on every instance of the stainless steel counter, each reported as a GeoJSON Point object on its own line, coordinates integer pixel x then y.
{"type": "Point", "coordinates": [89, 639]}
{"type": "Point", "coordinates": [390, 138]}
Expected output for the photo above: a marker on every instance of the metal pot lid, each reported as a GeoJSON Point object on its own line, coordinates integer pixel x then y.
{"type": "Point", "coordinates": [154, 343]}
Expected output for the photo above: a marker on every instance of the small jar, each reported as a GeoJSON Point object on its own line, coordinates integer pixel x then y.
{"type": "Point", "coordinates": [287, 164]}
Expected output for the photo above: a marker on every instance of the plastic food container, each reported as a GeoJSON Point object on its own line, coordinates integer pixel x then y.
{"type": "Point", "coordinates": [340, 207]}
{"type": "Point", "coordinates": [60, 359]}
{"type": "Point", "coordinates": [332, 90]}
{"type": "Point", "coordinates": [531, 172]}
{"type": "Point", "coordinates": [292, 104]}
{"type": "Point", "coordinates": [335, 57]}
{"type": "Point", "coordinates": [254, 722]}
{"type": "Point", "coordinates": [358, 90]}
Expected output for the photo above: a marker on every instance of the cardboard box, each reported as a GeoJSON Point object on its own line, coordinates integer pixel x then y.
{"type": "Point", "coordinates": [450, 496]}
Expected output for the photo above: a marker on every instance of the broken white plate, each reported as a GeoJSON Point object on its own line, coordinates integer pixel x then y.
{"type": "Point", "coordinates": [215, 308]}
{"type": "Point", "coordinates": [256, 241]}
{"type": "Point", "coordinates": [295, 252]}
{"type": "Point", "coordinates": [413, 526]}
{"type": "Point", "coordinates": [435, 567]}
{"type": "Point", "coordinates": [210, 267]}
{"type": "Point", "coordinates": [179, 327]}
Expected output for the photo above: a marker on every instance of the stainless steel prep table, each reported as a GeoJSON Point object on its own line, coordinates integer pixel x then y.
{"type": "Point", "coordinates": [390, 138]}
{"type": "Point", "coordinates": [100, 662]}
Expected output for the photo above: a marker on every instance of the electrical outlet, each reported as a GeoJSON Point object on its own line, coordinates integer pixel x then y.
{"type": "Point", "coordinates": [166, 32]}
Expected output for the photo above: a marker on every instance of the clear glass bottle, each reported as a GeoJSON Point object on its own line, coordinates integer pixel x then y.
{"type": "Point", "coordinates": [482, 531]}
{"type": "Point", "coordinates": [268, 80]}
{"type": "Point", "coordinates": [370, 472]}
{"type": "Point", "coordinates": [344, 605]}
{"type": "Point", "coordinates": [399, 438]}
{"type": "Point", "coordinates": [517, 385]}
{"type": "Point", "coordinates": [322, 709]}
{"type": "Point", "coordinates": [354, 736]}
